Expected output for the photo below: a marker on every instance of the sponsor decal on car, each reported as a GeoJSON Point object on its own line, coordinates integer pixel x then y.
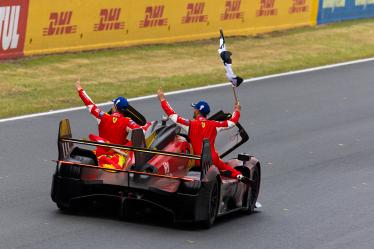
{"type": "Point", "coordinates": [154, 17]}
{"type": "Point", "coordinates": [166, 166]}
{"type": "Point", "coordinates": [13, 19]}
{"type": "Point", "coordinates": [267, 8]}
{"type": "Point", "coordinates": [60, 24]}
{"type": "Point", "coordinates": [195, 13]}
{"type": "Point", "coordinates": [109, 20]}
{"type": "Point", "coordinates": [232, 11]}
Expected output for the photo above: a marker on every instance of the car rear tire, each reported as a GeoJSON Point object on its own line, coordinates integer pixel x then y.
{"type": "Point", "coordinates": [62, 207]}
{"type": "Point", "coordinates": [71, 208]}
{"type": "Point", "coordinates": [252, 194]}
{"type": "Point", "coordinates": [213, 206]}
{"type": "Point", "coordinates": [70, 171]}
{"type": "Point", "coordinates": [73, 171]}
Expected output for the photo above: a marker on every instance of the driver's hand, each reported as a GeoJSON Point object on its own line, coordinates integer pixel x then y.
{"type": "Point", "coordinates": [78, 85]}
{"type": "Point", "coordinates": [237, 107]}
{"type": "Point", "coordinates": [160, 94]}
{"type": "Point", "coordinates": [243, 179]}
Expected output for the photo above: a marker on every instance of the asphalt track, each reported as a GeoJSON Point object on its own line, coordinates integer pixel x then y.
{"type": "Point", "coordinates": [313, 132]}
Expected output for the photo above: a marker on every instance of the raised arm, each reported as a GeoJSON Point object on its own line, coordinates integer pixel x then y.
{"type": "Point", "coordinates": [174, 117]}
{"type": "Point", "coordinates": [227, 124]}
{"type": "Point", "coordinates": [132, 125]}
{"type": "Point", "coordinates": [91, 106]}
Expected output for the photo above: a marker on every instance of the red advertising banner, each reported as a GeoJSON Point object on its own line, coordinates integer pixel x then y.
{"type": "Point", "coordinates": [13, 19]}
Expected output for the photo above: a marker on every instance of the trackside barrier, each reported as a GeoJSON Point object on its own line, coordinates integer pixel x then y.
{"type": "Point", "coordinates": [13, 20]}
{"type": "Point", "coordinates": [340, 10]}
{"type": "Point", "coordinates": [31, 27]}
{"type": "Point", "coordinates": [53, 26]}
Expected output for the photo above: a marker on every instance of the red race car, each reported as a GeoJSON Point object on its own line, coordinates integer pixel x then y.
{"type": "Point", "coordinates": [159, 174]}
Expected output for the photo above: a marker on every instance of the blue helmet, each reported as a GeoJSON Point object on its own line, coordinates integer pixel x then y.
{"type": "Point", "coordinates": [121, 103]}
{"type": "Point", "coordinates": [202, 107]}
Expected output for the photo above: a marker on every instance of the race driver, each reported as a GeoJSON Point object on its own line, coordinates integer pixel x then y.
{"type": "Point", "coordinates": [201, 128]}
{"type": "Point", "coordinates": [113, 128]}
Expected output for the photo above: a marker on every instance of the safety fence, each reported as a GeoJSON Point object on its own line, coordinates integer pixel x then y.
{"type": "Point", "coordinates": [31, 27]}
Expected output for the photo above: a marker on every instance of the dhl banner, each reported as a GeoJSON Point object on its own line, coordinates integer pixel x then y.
{"type": "Point", "coordinates": [339, 10]}
{"type": "Point", "coordinates": [75, 25]}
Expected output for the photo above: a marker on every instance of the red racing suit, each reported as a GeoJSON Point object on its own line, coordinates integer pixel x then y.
{"type": "Point", "coordinates": [201, 128]}
{"type": "Point", "coordinates": [114, 127]}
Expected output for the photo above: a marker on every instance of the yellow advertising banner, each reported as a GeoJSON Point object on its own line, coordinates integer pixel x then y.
{"type": "Point", "coordinates": [74, 25]}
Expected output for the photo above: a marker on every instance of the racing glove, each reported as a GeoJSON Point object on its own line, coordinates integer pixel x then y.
{"type": "Point", "coordinates": [243, 179]}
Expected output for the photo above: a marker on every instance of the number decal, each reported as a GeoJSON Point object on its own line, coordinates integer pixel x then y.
{"type": "Point", "coordinates": [166, 167]}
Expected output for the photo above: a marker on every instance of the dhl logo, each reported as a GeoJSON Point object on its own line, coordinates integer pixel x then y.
{"type": "Point", "coordinates": [9, 17]}
{"type": "Point", "coordinates": [60, 24]}
{"type": "Point", "coordinates": [267, 8]}
{"type": "Point", "coordinates": [109, 20]}
{"type": "Point", "coordinates": [154, 17]}
{"type": "Point", "coordinates": [195, 13]}
{"type": "Point", "coordinates": [298, 7]}
{"type": "Point", "coordinates": [232, 11]}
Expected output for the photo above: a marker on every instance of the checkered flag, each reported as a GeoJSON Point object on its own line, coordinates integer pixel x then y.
{"type": "Point", "coordinates": [226, 59]}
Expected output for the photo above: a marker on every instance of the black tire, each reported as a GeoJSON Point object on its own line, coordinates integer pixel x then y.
{"type": "Point", "coordinates": [252, 195]}
{"type": "Point", "coordinates": [125, 211]}
{"type": "Point", "coordinates": [213, 206]}
{"type": "Point", "coordinates": [70, 171]}
{"type": "Point", "coordinates": [73, 172]}
{"type": "Point", "coordinates": [62, 207]}
{"type": "Point", "coordinates": [71, 208]}
{"type": "Point", "coordinates": [192, 187]}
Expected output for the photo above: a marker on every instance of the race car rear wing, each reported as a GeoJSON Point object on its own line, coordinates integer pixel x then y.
{"type": "Point", "coordinates": [64, 132]}
{"type": "Point", "coordinates": [66, 145]}
{"type": "Point", "coordinates": [122, 147]}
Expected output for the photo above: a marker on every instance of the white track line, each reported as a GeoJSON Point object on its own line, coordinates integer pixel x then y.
{"type": "Point", "coordinates": [194, 89]}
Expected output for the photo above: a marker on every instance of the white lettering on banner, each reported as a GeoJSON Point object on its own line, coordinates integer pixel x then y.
{"type": "Point", "coordinates": [9, 17]}
{"type": "Point", "coordinates": [333, 4]}
{"type": "Point", "coordinates": [363, 2]}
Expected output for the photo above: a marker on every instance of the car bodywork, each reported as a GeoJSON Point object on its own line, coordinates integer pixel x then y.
{"type": "Point", "coordinates": [160, 173]}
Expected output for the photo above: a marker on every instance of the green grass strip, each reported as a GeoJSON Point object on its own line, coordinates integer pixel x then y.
{"type": "Point", "coordinates": [44, 83]}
